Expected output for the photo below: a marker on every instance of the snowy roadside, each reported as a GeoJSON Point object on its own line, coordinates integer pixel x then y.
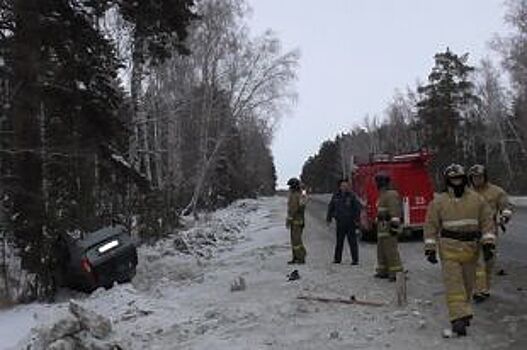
{"type": "Point", "coordinates": [178, 260]}
{"type": "Point", "coordinates": [183, 296]}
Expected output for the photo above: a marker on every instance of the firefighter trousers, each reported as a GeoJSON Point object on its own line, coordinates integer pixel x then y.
{"type": "Point", "coordinates": [388, 259]}
{"type": "Point", "coordinates": [298, 249]}
{"type": "Point", "coordinates": [458, 260]}
{"type": "Point", "coordinates": [484, 271]}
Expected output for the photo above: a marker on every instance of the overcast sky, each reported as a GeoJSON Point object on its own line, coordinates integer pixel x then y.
{"type": "Point", "coordinates": [356, 53]}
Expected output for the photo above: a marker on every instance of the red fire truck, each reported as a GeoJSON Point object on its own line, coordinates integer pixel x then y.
{"type": "Point", "coordinates": [409, 176]}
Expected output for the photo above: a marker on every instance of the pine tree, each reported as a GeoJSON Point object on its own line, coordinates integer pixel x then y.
{"type": "Point", "coordinates": [445, 106]}
{"type": "Point", "coordinates": [322, 171]}
{"type": "Point", "coordinates": [65, 110]}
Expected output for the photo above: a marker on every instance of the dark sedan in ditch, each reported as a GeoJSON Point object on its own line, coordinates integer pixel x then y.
{"type": "Point", "coordinates": [99, 259]}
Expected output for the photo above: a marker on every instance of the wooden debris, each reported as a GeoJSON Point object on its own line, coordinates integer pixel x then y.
{"type": "Point", "coordinates": [352, 300]}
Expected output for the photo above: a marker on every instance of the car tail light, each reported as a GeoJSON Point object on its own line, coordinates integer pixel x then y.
{"type": "Point", "coordinates": [85, 265]}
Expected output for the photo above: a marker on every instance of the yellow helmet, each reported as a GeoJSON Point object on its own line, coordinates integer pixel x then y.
{"type": "Point", "coordinates": [477, 170]}
{"type": "Point", "coordinates": [454, 170]}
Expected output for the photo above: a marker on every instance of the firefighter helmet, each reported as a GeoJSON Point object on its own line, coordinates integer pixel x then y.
{"type": "Point", "coordinates": [454, 170]}
{"type": "Point", "coordinates": [477, 170]}
{"type": "Point", "coordinates": [382, 179]}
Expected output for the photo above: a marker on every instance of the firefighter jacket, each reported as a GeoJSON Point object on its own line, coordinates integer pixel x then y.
{"type": "Point", "coordinates": [388, 213]}
{"type": "Point", "coordinates": [295, 208]}
{"type": "Point", "coordinates": [345, 208]}
{"type": "Point", "coordinates": [464, 219]}
{"type": "Point", "coordinates": [497, 199]}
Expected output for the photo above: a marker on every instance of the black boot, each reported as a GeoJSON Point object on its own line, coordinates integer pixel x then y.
{"type": "Point", "coordinates": [480, 297]}
{"type": "Point", "coordinates": [467, 320]}
{"type": "Point", "coordinates": [459, 327]}
{"type": "Point", "coordinates": [383, 275]}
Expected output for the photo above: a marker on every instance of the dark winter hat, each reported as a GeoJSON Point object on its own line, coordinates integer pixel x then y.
{"type": "Point", "coordinates": [293, 182]}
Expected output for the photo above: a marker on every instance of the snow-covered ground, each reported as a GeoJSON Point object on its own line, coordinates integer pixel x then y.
{"type": "Point", "coordinates": [519, 201]}
{"type": "Point", "coordinates": [182, 297]}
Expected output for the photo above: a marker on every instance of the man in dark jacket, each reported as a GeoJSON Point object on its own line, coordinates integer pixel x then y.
{"type": "Point", "coordinates": [345, 208]}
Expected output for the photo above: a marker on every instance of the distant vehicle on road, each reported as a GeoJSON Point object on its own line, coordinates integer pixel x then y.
{"type": "Point", "coordinates": [99, 259]}
{"type": "Point", "coordinates": [409, 176]}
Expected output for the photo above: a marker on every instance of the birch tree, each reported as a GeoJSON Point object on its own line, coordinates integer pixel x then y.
{"type": "Point", "coordinates": [253, 75]}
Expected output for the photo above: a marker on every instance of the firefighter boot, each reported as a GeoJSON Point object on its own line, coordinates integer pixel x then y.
{"type": "Point", "coordinates": [459, 327]}
{"type": "Point", "coordinates": [480, 297]}
{"type": "Point", "coordinates": [467, 320]}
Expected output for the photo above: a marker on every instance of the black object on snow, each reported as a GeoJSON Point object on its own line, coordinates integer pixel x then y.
{"type": "Point", "coordinates": [293, 276]}
{"type": "Point", "coordinates": [98, 260]}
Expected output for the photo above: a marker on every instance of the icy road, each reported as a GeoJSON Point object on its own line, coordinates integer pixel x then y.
{"type": "Point", "coordinates": [182, 297]}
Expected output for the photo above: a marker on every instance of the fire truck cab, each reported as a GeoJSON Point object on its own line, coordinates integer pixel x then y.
{"type": "Point", "coordinates": [409, 176]}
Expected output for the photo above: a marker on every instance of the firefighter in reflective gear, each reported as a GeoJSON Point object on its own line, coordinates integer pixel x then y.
{"type": "Point", "coordinates": [388, 228]}
{"type": "Point", "coordinates": [458, 223]}
{"type": "Point", "coordinates": [295, 220]}
{"type": "Point", "coordinates": [499, 204]}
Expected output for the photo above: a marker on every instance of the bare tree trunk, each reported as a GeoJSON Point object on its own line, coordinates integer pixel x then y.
{"type": "Point", "coordinates": [146, 151]}
{"type": "Point", "coordinates": [503, 150]}
{"type": "Point", "coordinates": [517, 137]}
{"type": "Point", "coordinates": [3, 268]}
{"type": "Point", "coordinates": [191, 207]}
{"type": "Point", "coordinates": [44, 160]}
{"type": "Point", "coordinates": [139, 145]}
{"type": "Point", "coordinates": [158, 155]}
{"type": "Point", "coordinates": [29, 208]}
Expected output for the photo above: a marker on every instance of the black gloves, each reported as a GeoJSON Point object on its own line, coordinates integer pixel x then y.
{"type": "Point", "coordinates": [431, 256]}
{"type": "Point", "coordinates": [488, 251]}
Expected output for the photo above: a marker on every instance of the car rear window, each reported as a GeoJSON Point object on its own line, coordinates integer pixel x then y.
{"type": "Point", "coordinates": [104, 247]}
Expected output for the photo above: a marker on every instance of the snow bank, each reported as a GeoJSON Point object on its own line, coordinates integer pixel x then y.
{"type": "Point", "coordinates": [181, 256]}
{"type": "Point", "coordinates": [76, 328]}
{"type": "Point", "coordinates": [163, 267]}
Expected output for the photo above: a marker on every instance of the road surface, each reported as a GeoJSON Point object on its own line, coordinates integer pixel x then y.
{"type": "Point", "coordinates": [501, 321]}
